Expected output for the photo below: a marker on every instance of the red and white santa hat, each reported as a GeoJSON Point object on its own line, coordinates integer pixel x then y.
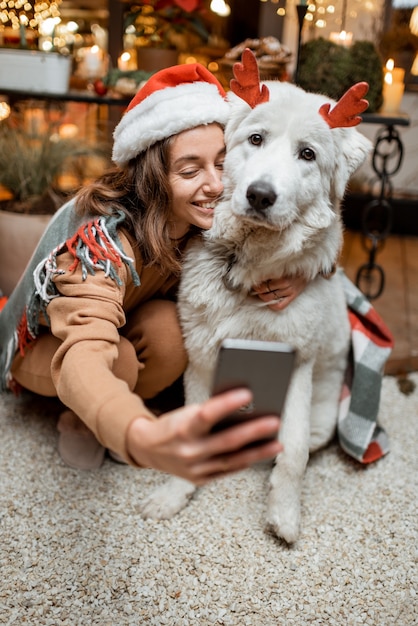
{"type": "Point", "coordinates": [172, 100]}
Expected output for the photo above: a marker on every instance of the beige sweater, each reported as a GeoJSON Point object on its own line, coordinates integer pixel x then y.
{"type": "Point", "coordinates": [87, 320]}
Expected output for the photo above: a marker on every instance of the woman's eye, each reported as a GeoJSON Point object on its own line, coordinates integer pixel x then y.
{"type": "Point", "coordinates": [188, 173]}
{"type": "Point", "coordinates": [307, 154]}
{"type": "Point", "coordinates": [256, 139]}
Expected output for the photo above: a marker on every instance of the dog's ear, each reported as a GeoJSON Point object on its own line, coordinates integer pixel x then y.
{"type": "Point", "coordinates": [246, 91]}
{"type": "Point", "coordinates": [351, 149]}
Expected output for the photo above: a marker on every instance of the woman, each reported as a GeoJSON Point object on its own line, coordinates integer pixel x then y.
{"type": "Point", "coordinates": [102, 323]}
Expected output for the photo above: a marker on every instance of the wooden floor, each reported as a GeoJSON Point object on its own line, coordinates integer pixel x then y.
{"type": "Point", "coordinates": [398, 304]}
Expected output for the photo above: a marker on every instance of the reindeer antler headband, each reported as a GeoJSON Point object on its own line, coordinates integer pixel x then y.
{"type": "Point", "coordinates": [246, 85]}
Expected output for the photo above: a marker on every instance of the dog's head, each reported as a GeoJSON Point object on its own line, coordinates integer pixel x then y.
{"type": "Point", "coordinates": [287, 158]}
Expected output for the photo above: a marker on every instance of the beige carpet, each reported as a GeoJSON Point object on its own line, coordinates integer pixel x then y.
{"type": "Point", "coordinates": [75, 551]}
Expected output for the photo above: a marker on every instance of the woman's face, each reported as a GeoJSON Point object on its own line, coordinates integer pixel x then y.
{"type": "Point", "coordinates": [196, 159]}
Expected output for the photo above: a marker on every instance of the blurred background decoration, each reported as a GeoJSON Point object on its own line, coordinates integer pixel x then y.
{"type": "Point", "coordinates": [103, 43]}
{"type": "Point", "coordinates": [23, 20]}
{"type": "Point", "coordinates": [331, 69]}
{"type": "Point", "coordinates": [202, 30]}
{"type": "Point", "coordinates": [177, 24]}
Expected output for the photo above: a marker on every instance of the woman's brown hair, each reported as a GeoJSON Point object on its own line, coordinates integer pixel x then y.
{"type": "Point", "coordinates": [141, 190]}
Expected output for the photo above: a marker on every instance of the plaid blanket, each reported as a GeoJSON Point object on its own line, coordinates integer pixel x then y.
{"type": "Point", "coordinates": [371, 343]}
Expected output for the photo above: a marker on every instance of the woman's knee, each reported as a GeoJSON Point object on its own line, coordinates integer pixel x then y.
{"type": "Point", "coordinates": [33, 370]}
{"type": "Point", "coordinates": [126, 366]}
{"type": "Point", "coordinates": [155, 332]}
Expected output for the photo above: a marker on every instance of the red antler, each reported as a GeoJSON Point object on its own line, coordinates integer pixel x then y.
{"type": "Point", "coordinates": [246, 83]}
{"type": "Point", "coordinates": [346, 111]}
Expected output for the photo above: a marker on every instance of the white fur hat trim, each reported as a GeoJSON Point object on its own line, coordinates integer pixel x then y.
{"type": "Point", "coordinates": [166, 112]}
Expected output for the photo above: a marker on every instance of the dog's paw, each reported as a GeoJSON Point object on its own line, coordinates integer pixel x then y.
{"type": "Point", "coordinates": [284, 522]}
{"type": "Point", "coordinates": [168, 499]}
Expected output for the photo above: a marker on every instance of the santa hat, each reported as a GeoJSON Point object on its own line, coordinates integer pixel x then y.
{"type": "Point", "coordinates": [172, 100]}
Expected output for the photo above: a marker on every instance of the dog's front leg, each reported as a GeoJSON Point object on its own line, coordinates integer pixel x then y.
{"type": "Point", "coordinates": [168, 499]}
{"type": "Point", "coordinates": [283, 513]}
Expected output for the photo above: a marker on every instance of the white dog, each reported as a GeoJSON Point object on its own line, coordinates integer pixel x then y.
{"type": "Point", "coordinates": [285, 174]}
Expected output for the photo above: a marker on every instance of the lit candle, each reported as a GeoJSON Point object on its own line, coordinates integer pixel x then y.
{"type": "Point", "coordinates": [343, 38]}
{"type": "Point", "coordinates": [390, 64]}
{"type": "Point", "coordinates": [93, 61]}
{"type": "Point", "coordinates": [392, 94]}
{"type": "Point", "coordinates": [398, 75]}
{"type": "Point", "coordinates": [124, 61]}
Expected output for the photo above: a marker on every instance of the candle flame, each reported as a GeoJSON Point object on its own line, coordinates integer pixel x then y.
{"type": "Point", "coordinates": [390, 64]}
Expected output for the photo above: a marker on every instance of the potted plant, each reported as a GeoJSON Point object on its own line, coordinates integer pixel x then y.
{"type": "Point", "coordinates": [164, 28]}
{"type": "Point", "coordinates": [331, 69]}
{"type": "Point", "coordinates": [31, 170]}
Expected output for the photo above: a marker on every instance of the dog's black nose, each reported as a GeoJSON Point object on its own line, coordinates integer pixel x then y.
{"type": "Point", "coordinates": [261, 196]}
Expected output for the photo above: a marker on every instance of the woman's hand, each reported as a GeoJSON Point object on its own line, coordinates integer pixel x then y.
{"type": "Point", "coordinates": [180, 442]}
{"type": "Point", "coordinates": [280, 292]}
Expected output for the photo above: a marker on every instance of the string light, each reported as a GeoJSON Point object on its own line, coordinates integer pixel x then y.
{"type": "Point", "coordinates": [220, 7]}
{"type": "Point", "coordinates": [33, 12]}
{"type": "Point", "coordinates": [333, 14]}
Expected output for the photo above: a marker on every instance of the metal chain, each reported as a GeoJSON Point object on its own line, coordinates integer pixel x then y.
{"type": "Point", "coordinates": [378, 214]}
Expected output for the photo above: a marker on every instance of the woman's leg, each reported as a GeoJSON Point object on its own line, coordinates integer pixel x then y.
{"type": "Point", "coordinates": [77, 445]}
{"type": "Point", "coordinates": [151, 359]}
{"type": "Point", "coordinates": [33, 371]}
{"type": "Point", "coordinates": [154, 331]}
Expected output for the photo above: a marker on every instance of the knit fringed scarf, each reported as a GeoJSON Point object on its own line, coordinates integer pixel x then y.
{"type": "Point", "coordinates": [93, 243]}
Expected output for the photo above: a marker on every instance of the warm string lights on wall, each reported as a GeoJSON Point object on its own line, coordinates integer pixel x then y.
{"type": "Point", "coordinates": [14, 13]}
{"type": "Point", "coordinates": [281, 6]}
{"type": "Point", "coordinates": [328, 14]}
{"type": "Point", "coordinates": [342, 37]}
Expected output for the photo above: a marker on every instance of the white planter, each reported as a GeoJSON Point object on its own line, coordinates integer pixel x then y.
{"type": "Point", "coordinates": [33, 70]}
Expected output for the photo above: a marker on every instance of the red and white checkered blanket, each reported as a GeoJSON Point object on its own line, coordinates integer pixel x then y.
{"type": "Point", "coordinates": [371, 343]}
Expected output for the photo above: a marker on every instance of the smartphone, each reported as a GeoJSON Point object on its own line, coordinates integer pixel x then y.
{"type": "Point", "coordinates": [265, 367]}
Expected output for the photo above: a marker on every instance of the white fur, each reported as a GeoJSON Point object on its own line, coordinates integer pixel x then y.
{"type": "Point", "coordinates": [300, 233]}
{"type": "Point", "coordinates": [167, 112]}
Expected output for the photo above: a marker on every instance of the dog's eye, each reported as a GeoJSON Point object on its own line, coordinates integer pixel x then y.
{"type": "Point", "coordinates": [307, 154]}
{"type": "Point", "coordinates": [256, 139]}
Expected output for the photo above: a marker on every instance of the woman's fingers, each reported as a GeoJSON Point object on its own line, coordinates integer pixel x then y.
{"type": "Point", "coordinates": [236, 437]}
{"type": "Point", "coordinates": [219, 466]}
{"type": "Point", "coordinates": [278, 293]}
{"type": "Point", "coordinates": [213, 410]}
